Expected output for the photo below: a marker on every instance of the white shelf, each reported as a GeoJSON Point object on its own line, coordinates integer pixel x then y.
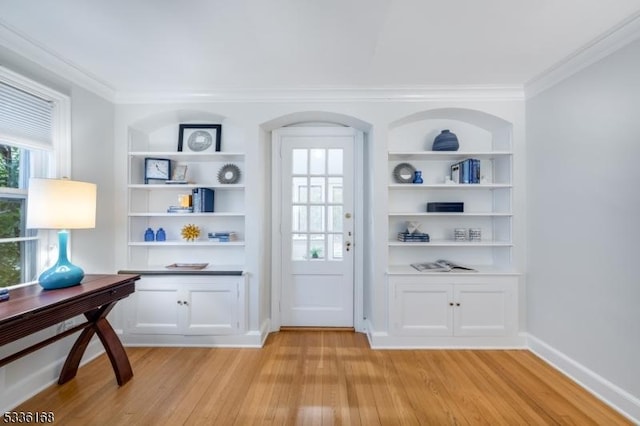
{"type": "Point", "coordinates": [190, 156]}
{"type": "Point", "coordinates": [174, 187]}
{"type": "Point", "coordinates": [214, 214]}
{"type": "Point", "coordinates": [444, 214]}
{"type": "Point", "coordinates": [447, 155]}
{"type": "Point", "coordinates": [455, 186]}
{"type": "Point", "coordinates": [449, 243]}
{"type": "Point", "coordinates": [184, 243]}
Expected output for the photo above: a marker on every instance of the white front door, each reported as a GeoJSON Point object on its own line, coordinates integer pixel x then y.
{"type": "Point", "coordinates": [317, 225]}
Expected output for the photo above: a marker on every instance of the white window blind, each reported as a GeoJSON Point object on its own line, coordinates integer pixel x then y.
{"type": "Point", "coordinates": [25, 118]}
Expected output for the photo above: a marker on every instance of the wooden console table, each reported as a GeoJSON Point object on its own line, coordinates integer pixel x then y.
{"type": "Point", "coordinates": [31, 309]}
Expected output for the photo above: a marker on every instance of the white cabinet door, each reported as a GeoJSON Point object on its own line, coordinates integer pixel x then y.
{"type": "Point", "coordinates": [154, 309]}
{"type": "Point", "coordinates": [187, 305]}
{"type": "Point", "coordinates": [453, 306]}
{"type": "Point", "coordinates": [422, 309]}
{"type": "Point", "coordinates": [483, 310]}
{"type": "Point", "coordinates": [213, 308]}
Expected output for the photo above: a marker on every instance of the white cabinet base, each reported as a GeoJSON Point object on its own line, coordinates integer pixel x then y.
{"type": "Point", "coordinates": [188, 310]}
{"type": "Point", "coordinates": [451, 310]}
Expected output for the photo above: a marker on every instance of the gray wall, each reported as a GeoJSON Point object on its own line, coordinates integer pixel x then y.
{"type": "Point", "coordinates": [583, 157]}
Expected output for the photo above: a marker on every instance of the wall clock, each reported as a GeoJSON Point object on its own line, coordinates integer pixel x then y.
{"type": "Point", "coordinates": [157, 168]}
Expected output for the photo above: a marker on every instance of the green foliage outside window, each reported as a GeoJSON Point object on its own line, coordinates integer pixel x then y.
{"type": "Point", "coordinates": [11, 212]}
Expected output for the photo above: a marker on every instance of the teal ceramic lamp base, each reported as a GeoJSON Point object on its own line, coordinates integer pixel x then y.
{"type": "Point", "coordinates": [63, 273]}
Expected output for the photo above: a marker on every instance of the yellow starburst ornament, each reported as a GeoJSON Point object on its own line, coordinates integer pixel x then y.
{"type": "Point", "coordinates": [190, 232]}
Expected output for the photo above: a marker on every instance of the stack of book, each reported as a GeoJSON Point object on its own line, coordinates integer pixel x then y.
{"type": "Point", "coordinates": [222, 237]}
{"type": "Point", "coordinates": [179, 209]}
{"type": "Point", "coordinates": [466, 171]}
{"type": "Point", "coordinates": [202, 199]}
{"type": "Point", "coordinates": [418, 237]}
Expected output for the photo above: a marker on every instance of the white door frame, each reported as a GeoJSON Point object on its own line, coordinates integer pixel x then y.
{"type": "Point", "coordinates": [358, 226]}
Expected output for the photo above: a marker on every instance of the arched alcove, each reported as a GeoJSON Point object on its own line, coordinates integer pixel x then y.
{"type": "Point", "coordinates": [315, 117]}
{"type": "Point", "coordinates": [156, 121]}
{"type": "Point", "coordinates": [270, 299]}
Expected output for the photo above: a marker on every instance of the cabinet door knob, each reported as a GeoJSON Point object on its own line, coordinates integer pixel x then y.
{"type": "Point", "coordinates": [450, 303]}
{"type": "Point", "coordinates": [179, 302]}
{"type": "Point", "coordinates": [457, 304]}
{"type": "Point", "coordinates": [185, 302]}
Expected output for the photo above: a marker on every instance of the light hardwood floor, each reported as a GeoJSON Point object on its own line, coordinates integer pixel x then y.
{"type": "Point", "coordinates": [323, 378]}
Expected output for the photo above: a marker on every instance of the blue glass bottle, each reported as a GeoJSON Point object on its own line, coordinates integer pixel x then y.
{"type": "Point", "coordinates": [417, 178]}
{"type": "Point", "coordinates": [149, 235]}
{"type": "Point", "coordinates": [161, 235]}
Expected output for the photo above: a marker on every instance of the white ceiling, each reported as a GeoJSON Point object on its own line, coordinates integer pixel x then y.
{"type": "Point", "coordinates": [200, 45]}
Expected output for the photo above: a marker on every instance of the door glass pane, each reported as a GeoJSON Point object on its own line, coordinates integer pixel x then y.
{"type": "Point", "coordinates": [299, 218]}
{"type": "Point", "coordinates": [335, 219]}
{"type": "Point", "coordinates": [317, 190]}
{"type": "Point", "coordinates": [299, 247]}
{"type": "Point", "coordinates": [335, 190]}
{"type": "Point", "coordinates": [299, 190]}
{"type": "Point", "coordinates": [299, 166]}
{"type": "Point", "coordinates": [316, 246]}
{"type": "Point", "coordinates": [316, 218]}
{"type": "Point", "coordinates": [335, 162]}
{"type": "Point", "coordinates": [318, 161]}
{"type": "Point", "coordinates": [335, 247]}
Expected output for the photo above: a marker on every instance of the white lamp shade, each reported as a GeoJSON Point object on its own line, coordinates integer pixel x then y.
{"type": "Point", "coordinates": [61, 204]}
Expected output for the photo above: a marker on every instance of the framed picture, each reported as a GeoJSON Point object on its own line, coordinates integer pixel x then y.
{"type": "Point", "coordinates": [199, 138]}
{"type": "Point", "coordinates": [179, 173]}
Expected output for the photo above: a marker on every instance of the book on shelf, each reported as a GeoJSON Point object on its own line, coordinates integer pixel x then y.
{"type": "Point", "coordinates": [417, 237]}
{"type": "Point", "coordinates": [466, 171]}
{"type": "Point", "coordinates": [442, 265]}
{"type": "Point", "coordinates": [202, 200]}
{"type": "Point", "coordinates": [222, 237]}
{"type": "Point", "coordinates": [179, 209]}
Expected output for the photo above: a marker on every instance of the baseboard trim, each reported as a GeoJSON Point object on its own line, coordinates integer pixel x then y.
{"type": "Point", "coordinates": [612, 395]}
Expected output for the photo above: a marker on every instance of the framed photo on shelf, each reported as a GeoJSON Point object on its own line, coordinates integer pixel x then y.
{"type": "Point", "coordinates": [179, 172]}
{"type": "Point", "coordinates": [199, 138]}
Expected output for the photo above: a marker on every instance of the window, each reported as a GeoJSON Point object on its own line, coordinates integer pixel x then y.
{"type": "Point", "coordinates": [34, 124]}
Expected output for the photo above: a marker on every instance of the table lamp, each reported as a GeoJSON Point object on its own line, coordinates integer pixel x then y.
{"type": "Point", "coordinates": [61, 204]}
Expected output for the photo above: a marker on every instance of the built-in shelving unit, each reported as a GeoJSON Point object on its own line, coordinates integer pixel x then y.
{"type": "Point", "coordinates": [148, 203]}
{"type": "Point", "coordinates": [487, 205]}
{"type": "Point", "coordinates": [456, 309]}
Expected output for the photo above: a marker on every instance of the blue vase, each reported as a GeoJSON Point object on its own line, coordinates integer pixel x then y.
{"type": "Point", "coordinates": [417, 177]}
{"type": "Point", "coordinates": [446, 141]}
{"type": "Point", "coordinates": [149, 235]}
{"type": "Point", "coordinates": [161, 235]}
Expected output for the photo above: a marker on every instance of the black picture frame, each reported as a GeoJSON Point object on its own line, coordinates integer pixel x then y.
{"type": "Point", "coordinates": [210, 136]}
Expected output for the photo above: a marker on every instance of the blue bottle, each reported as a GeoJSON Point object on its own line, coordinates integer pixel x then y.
{"type": "Point", "coordinates": [417, 178]}
{"type": "Point", "coordinates": [149, 235]}
{"type": "Point", "coordinates": [160, 235]}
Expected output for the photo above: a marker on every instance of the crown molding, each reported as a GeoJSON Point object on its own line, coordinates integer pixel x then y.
{"type": "Point", "coordinates": [617, 37]}
{"type": "Point", "coordinates": [402, 94]}
{"type": "Point", "coordinates": [28, 48]}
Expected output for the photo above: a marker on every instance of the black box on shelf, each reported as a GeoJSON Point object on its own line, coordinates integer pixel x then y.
{"type": "Point", "coordinates": [456, 207]}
